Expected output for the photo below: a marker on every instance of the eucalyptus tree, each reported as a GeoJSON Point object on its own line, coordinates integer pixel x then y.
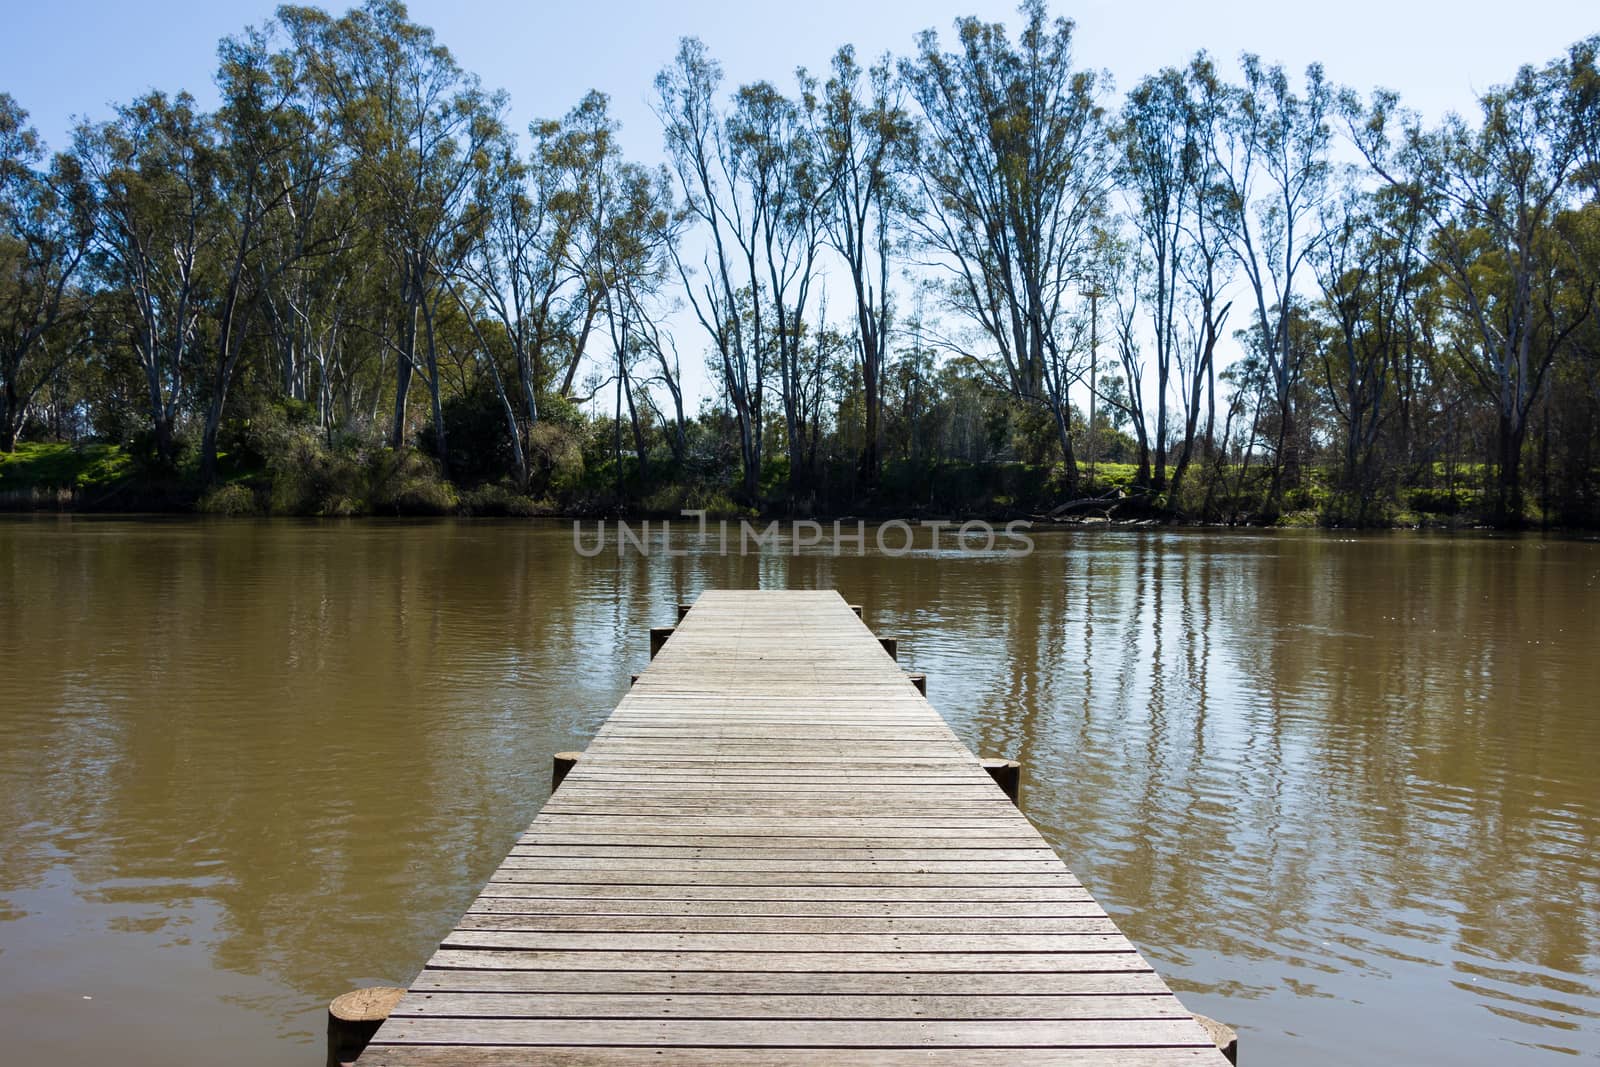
{"type": "Point", "coordinates": [419, 130]}
{"type": "Point", "coordinates": [774, 172]}
{"type": "Point", "coordinates": [1205, 272]}
{"type": "Point", "coordinates": [524, 270]}
{"type": "Point", "coordinates": [314, 275]}
{"type": "Point", "coordinates": [1164, 137]}
{"type": "Point", "coordinates": [1494, 194]}
{"type": "Point", "coordinates": [865, 141]}
{"type": "Point", "coordinates": [1268, 182]}
{"type": "Point", "coordinates": [1015, 167]}
{"type": "Point", "coordinates": [259, 134]}
{"type": "Point", "coordinates": [748, 178]}
{"type": "Point", "coordinates": [696, 144]}
{"type": "Point", "coordinates": [154, 168]}
{"type": "Point", "coordinates": [45, 228]}
{"type": "Point", "coordinates": [629, 230]}
{"type": "Point", "coordinates": [1160, 170]}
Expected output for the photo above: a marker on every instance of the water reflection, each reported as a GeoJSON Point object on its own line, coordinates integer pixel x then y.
{"type": "Point", "coordinates": [1332, 786]}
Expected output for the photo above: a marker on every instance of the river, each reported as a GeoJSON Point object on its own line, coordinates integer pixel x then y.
{"type": "Point", "coordinates": [1343, 791]}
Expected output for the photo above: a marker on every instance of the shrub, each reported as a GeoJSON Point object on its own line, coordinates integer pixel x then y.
{"type": "Point", "coordinates": [231, 499]}
{"type": "Point", "coordinates": [498, 498]}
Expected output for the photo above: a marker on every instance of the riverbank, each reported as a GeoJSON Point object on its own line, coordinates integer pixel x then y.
{"type": "Point", "coordinates": [108, 479]}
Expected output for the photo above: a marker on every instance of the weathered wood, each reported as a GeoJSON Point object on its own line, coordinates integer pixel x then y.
{"type": "Point", "coordinates": [856, 610]}
{"type": "Point", "coordinates": [561, 765]}
{"type": "Point", "coordinates": [632, 1055]}
{"type": "Point", "coordinates": [354, 1017]}
{"type": "Point", "coordinates": [891, 645]}
{"type": "Point", "coordinates": [877, 1033]}
{"type": "Point", "coordinates": [919, 680]}
{"type": "Point", "coordinates": [1089, 985]}
{"type": "Point", "coordinates": [775, 851]}
{"type": "Point", "coordinates": [1007, 774]}
{"type": "Point", "coordinates": [786, 1006]}
{"type": "Point", "coordinates": [683, 610]}
{"type": "Point", "coordinates": [1222, 1035]}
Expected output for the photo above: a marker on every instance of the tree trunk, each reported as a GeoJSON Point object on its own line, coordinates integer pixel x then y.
{"type": "Point", "coordinates": [403, 368]}
{"type": "Point", "coordinates": [1508, 506]}
{"type": "Point", "coordinates": [433, 393]}
{"type": "Point", "coordinates": [1068, 460]}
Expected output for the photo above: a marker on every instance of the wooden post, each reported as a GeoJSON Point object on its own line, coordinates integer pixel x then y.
{"type": "Point", "coordinates": [1007, 774]}
{"type": "Point", "coordinates": [354, 1017]}
{"type": "Point", "coordinates": [560, 764]}
{"type": "Point", "coordinates": [919, 680]}
{"type": "Point", "coordinates": [683, 609]}
{"type": "Point", "coordinates": [633, 679]}
{"type": "Point", "coordinates": [857, 609]}
{"type": "Point", "coordinates": [890, 645]}
{"type": "Point", "coordinates": [1222, 1035]}
{"type": "Point", "coordinates": [658, 637]}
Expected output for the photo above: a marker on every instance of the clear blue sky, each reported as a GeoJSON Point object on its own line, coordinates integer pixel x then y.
{"type": "Point", "coordinates": [73, 58]}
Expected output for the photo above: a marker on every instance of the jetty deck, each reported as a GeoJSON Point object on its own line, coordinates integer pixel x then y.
{"type": "Point", "coordinates": [775, 851]}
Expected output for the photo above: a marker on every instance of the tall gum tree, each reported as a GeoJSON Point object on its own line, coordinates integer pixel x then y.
{"type": "Point", "coordinates": [865, 141]}
{"type": "Point", "coordinates": [1494, 194]}
{"type": "Point", "coordinates": [1015, 167]}
{"type": "Point", "coordinates": [45, 228]}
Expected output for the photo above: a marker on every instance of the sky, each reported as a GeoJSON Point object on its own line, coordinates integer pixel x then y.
{"type": "Point", "coordinates": [74, 58]}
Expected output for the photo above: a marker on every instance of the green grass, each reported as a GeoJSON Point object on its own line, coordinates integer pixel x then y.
{"type": "Point", "coordinates": [58, 466]}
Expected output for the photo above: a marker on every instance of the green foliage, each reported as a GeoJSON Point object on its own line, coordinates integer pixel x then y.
{"type": "Point", "coordinates": [1444, 501]}
{"type": "Point", "coordinates": [499, 498]}
{"type": "Point", "coordinates": [90, 467]}
{"type": "Point", "coordinates": [230, 499]}
{"type": "Point", "coordinates": [481, 448]}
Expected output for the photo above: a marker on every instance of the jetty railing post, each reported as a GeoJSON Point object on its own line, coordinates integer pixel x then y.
{"type": "Point", "coordinates": [1222, 1035]}
{"type": "Point", "coordinates": [857, 609]}
{"type": "Point", "coordinates": [683, 609]}
{"type": "Point", "coordinates": [354, 1017]}
{"type": "Point", "coordinates": [658, 637]}
{"type": "Point", "coordinates": [1007, 774]}
{"type": "Point", "coordinates": [890, 645]}
{"type": "Point", "coordinates": [918, 679]}
{"type": "Point", "coordinates": [561, 765]}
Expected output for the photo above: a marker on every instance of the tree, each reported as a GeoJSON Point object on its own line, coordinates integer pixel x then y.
{"type": "Point", "coordinates": [1015, 167]}
{"type": "Point", "coordinates": [419, 129]}
{"type": "Point", "coordinates": [697, 146]}
{"type": "Point", "coordinates": [1494, 195]}
{"type": "Point", "coordinates": [155, 173]}
{"type": "Point", "coordinates": [1268, 182]}
{"type": "Point", "coordinates": [865, 140]}
{"type": "Point", "coordinates": [45, 228]}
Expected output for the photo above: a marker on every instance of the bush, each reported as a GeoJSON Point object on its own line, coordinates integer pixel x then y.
{"type": "Point", "coordinates": [1442, 501]}
{"type": "Point", "coordinates": [232, 499]}
{"type": "Point", "coordinates": [481, 448]}
{"type": "Point", "coordinates": [406, 482]}
{"type": "Point", "coordinates": [499, 498]}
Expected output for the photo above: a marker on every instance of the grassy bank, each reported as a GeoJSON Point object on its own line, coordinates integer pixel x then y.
{"type": "Point", "coordinates": [319, 481]}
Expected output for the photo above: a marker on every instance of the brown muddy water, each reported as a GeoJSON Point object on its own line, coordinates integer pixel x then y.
{"type": "Point", "coordinates": [1344, 791]}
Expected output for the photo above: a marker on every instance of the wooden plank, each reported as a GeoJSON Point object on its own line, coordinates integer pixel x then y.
{"type": "Point", "coordinates": [810, 944]}
{"type": "Point", "coordinates": [622, 909]}
{"type": "Point", "coordinates": [793, 983]}
{"type": "Point", "coordinates": [954, 963]}
{"type": "Point", "coordinates": [612, 1056]}
{"type": "Point", "coordinates": [784, 1006]}
{"type": "Point", "coordinates": [775, 851]}
{"type": "Point", "coordinates": [877, 1033]}
{"type": "Point", "coordinates": [831, 925]}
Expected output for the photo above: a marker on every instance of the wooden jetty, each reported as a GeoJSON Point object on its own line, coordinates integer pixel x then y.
{"type": "Point", "coordinates": [775, 851]}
